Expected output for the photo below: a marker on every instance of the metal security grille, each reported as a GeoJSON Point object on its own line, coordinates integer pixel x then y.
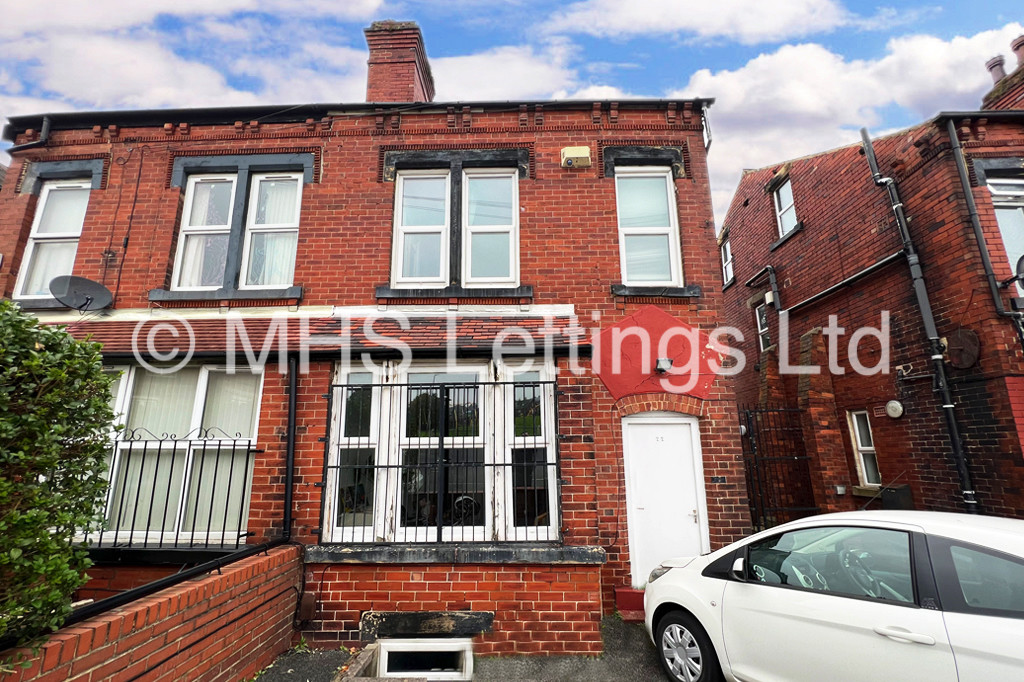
{"type": "Point", "coordinates": [176, 492]}
{"type": "Point", "coordinates": [777, 467]}
{"type": "Point", "coordinates": [455, 461]}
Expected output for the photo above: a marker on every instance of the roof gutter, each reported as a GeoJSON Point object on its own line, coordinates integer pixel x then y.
{"type": "Point", "coordinates": [44, 135]}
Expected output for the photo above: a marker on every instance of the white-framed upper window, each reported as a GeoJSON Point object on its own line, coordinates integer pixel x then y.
{"type": "Point", "coordinates": [764, 337]}
{"type": "Point", "coordinates": [434, 449]}
{"type": "Point", "coordinates": [1008, 201]}
{"type": "Point", "coordinates": [648, 226]}
{"type": "Point", "coordinates": [785, 210]}
{"type": "Point", "coordinates": [208, 224]}
{"type": "Point", "coordinates": [53, 242]}
{"type": "Point", "coordinates": [422, 228]}
{"type": "Point", "coordinates": [726, 249]}
{"type": "Point", "coordinates": [864, 449]}
{"type": "Point", "coordinates": [487, 252]}
{"type": "Point", "coordinates": [181, 468]}
{"type": "Point", "coordinates": [490, 219]}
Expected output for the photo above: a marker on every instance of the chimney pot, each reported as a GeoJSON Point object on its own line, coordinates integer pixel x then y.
{"type": "Point", "coordinates": [995, 67]}
{"type": "Point", "coordinates": [1018, 49]}
{"type": "Point", "coordinates": [398, 70]}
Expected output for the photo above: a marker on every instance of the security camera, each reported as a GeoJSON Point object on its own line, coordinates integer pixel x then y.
{"type": "Point", "coordinates": [568, 163]}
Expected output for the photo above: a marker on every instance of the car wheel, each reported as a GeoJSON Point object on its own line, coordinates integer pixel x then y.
{"type": "Point", "coordinates": [685, 652]}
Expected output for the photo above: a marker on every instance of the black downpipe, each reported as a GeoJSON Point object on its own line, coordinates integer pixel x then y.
{"type": "Point", "coordinates": [771, 281]}
{"type": "Point", "coordinates": [979, 235]}
{"type": "Point", "coordinates": [928, 319]}
{"type": "Point", "coordinates": [44, 135]}
{"type": "Point", "coordinates": [289, 474]}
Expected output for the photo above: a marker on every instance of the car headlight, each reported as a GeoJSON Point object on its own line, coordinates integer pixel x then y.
{"type": "Point", "coordinates": [658, 572]}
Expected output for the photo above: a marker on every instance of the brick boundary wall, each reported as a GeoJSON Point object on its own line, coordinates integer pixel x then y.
{"type": "Point", "coordinates": [223, 626]}
{"type": "Point", "coordinates": [549, 609]}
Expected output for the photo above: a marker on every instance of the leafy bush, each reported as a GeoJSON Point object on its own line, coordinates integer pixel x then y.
{"type": "Point", "coordinates": [55, 426]}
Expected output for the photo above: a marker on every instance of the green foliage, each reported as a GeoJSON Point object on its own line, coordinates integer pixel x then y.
{"type": "Point", "coordinates": [55, 427]}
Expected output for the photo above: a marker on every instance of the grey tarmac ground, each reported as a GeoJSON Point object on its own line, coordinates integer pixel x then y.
{"type": "Point", "coordinates": [628, 656]}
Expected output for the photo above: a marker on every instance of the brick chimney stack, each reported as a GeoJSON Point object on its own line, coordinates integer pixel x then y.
{"type": "Point", "coordinates": [398, 66]}
{"type": "Point", "coordinates": [1018, 49]}
{"type": "Point", "coordinates": [995, 67]}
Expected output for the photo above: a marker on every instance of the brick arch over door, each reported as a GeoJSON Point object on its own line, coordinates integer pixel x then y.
{"type": "Point", "coordinates": [660, 402]}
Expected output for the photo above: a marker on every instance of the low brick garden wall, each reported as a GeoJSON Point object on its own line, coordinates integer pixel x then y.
{"type": "Point", "coordinates": [221, 626]}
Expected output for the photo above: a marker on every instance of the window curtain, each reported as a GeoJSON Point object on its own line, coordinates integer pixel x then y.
{"type": "Point", "coordinates": [211, 203]}
{"type": "Point", "coordinates": [218, 491]}
{"type": "Point", "coordinates": [49, 259]}
{"type": "Point", "coordinates": [147, 488]}
{"type": "Point", "coordinates": [64, 211]}
{"type": "Point", "coordinates": [276, 202]}
{"type": "Point", "coordinates": [204, 260]}
{"type": "Point", "coordinates": [161, 404]}
{"type": "Point", "coordinates": [272, 258]}
{"type": "Point", "coordinates": [230, 409]}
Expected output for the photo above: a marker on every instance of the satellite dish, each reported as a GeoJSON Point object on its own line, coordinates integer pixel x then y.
{"type": "Point", "coordinates": [963, 348]}
{"type": "Point", "coordinates": [80, 293]}
{"type": "Point", "coordinates": [1020, 268]}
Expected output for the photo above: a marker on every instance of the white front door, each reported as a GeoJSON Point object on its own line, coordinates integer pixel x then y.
{"type": "Point", "coordinates": [665, 502]}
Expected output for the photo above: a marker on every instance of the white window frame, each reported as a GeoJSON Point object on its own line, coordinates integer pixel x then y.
{"type": "Point", "coordinates": [781, 210]}
{"type": "Point", "coordinates": [186, 230]}
{"type": "Point", "coordinates": [727, 272]}
{"type": "Point", "coordinates": [400, 232]}
{"type": "Point", "coordinates": [388, 428]}
{"type": "Point", "coordinates": [671, 230]}
{"type": "Point", "coordinates": [465, 645]}
{"type": "Point", "coordinates": [511, 229]}
{"type": "Point", "coordinates": [125, 389]}
{"type": "Point", "coordinates": [251, 228]}
{"type": "Point", "coordinates": [1008, 199]}
{"type": "Point", "coordinates": [36, 239]}
{"type": "Point", "coordinates": [763, 331]}
{"type": "Point", "coordinates": [860, 450]}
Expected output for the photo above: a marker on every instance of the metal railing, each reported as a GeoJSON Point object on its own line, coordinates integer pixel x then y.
{"type": "Point", "coordinates": [188, 492]}
{"type": "Point", "coordinates": [441, 462]}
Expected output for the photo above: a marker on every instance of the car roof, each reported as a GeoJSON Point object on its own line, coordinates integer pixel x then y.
{"type": "Point", "coordinates": [992, 531]}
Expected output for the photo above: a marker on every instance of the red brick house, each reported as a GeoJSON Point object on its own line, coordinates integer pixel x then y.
{"type": "Point", "coordinates": [262, 252]}
{"type": "Point", "coordinates": [935, 417]}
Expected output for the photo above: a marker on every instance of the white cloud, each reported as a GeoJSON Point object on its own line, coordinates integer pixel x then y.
{"type": "Point", "coordinates": [504, 73]}
{"type": "Point", "coordinates": [745, 21]}
{"type": "Point", "coordinates": [108, 15]}
{"type": "Point", "coordinates": [803, 99]}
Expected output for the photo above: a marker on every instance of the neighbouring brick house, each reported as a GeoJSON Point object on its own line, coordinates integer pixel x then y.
{"type": "Point", "coordinates": [815, 237]}
{"type": "Point", "coordinates": [511, 500]}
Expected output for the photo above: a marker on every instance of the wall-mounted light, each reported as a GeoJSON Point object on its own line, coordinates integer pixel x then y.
{"type": "Point", "coordinates": [662, 365]}
{"type": "Point", "coordinates": [840, 490]}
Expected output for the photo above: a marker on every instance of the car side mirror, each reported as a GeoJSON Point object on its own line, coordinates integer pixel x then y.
{"type": "Point", "coordinates": [739, 570]}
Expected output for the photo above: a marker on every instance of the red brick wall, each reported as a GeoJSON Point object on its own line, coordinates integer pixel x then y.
{"type": "Point", "coordinates": [549, 610]}
{"type": "Point", "coordinates": [106, 581]}
{"type": "Point", "coordinates": [848, 225]}
{"type": "Point", "coordinates": [225, 626]}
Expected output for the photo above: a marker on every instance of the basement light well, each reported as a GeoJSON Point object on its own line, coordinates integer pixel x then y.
{"type": "Point", "coordinates": [433, 659]}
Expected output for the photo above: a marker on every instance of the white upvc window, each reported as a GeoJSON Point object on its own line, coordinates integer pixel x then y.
{"type": "Point", "coordinates": [53, 242]}
{"type": "Point", "coordinates": [764, 337]}
{"type": "Point", "coordinates": [785, 210]}
{"type": "Point", "coordinates": [864, 449]}
{"type": "Point", "coordinates": [648, 226]}
{"type": "Point", "coordinates": [271, 231]}
{"type": "Point", "coordinates": [181, 468]}
{"type": "Point", "coordinates": [726, 249]}
{"type": "Point", "coordinates": [267, 236]}
{"type": "Point", "coordinates": [422, 228]}
{"type": "Point", "coordinates": [205, 232]}
{"type": "Point", "coordinates": [1008, 201]}
{"type": "Point", "coordinates": [490, 219]}
{"type": "Point", "coordinates": [435, 449]}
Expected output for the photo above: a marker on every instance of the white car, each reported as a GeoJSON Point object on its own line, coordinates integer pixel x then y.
{"type": "Point", "coordinates": [885, 595]}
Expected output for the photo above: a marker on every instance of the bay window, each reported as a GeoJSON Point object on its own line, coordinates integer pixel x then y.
{"type": "Point", "coordinates": [435, 454]}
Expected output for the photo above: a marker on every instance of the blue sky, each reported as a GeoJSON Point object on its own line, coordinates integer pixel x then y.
{"type": "Point", "coordinates": [791, 77]}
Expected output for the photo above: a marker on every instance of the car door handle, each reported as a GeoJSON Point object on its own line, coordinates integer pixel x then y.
{"type": "Point", "coordinates": [903, 634]}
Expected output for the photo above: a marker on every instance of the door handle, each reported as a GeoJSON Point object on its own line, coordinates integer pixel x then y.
{"type": "Point", "coordinates": [902, 634]}
{"type": "Point", "coordinates": [694, 515]}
